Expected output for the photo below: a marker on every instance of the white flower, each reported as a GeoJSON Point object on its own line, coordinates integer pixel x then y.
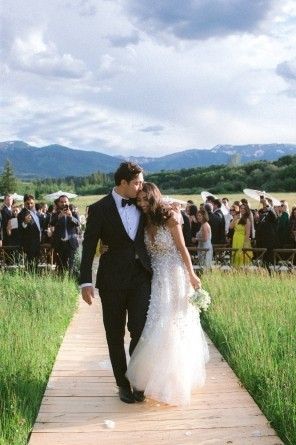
{"type": "Point", "coordinates": [201, 299]}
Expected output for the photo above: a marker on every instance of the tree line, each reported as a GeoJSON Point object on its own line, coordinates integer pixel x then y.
{"type": "Point", "coordinates": [279, 176]}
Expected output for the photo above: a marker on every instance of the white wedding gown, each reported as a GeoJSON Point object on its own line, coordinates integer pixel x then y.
{"type": "Point", "coordinates": [169, 359]}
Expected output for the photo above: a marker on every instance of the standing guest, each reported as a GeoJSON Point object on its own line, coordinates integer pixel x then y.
{"type": "Point", "coordinates": [265, 226]}
{"type": "Point", "coordinates": [235, 216]}
{"type": "Point", "coordinates": [245, 202]}
{"type": "Point", "coordinates": [283, 235]}
{"type": "Point", "coordinates": [292, 226]}
{"type": "Point", "coordinates": [203, 238]}
{"type": "Point", "coordinates": [188, 205]}
{"type": "Point", "coordinates": [64, 224]}
{"type": "Point", "coordinates": [6, 214]}
{"type": "Point", "coordinates": [30, 232]}
{"type": "Point", "coordinates": [194, 224]}
{"type": "Point", "coordinates": [241, 236]}
{"type": "Point", "coordinates": [217, 223]}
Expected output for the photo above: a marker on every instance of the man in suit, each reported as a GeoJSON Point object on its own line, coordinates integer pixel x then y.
{"type": "Point", "coordinates": [217, 223]}
{"type": "Point", "coordinates": [6, 215]}
{"type": "Point", "coordinates": [30, 232]}
{"type": "Point", "coordinates": [124, 273]}
{"type": "Point", "coordinates": [64, 224]}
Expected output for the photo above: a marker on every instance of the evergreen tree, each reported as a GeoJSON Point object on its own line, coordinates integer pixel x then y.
{"type": "Point", "coordinates": [8, 182]}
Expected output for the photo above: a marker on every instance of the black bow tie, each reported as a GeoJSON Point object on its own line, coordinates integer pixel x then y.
{"type": "Point", "coordinates": [128, 202]}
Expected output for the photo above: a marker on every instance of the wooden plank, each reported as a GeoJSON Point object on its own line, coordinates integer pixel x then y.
{"type": "Point", "coordinates": [213, 436]}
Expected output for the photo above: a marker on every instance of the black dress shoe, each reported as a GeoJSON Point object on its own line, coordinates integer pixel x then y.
{"type": "Point", "coordinates": [139, 395]}
{"type": "Point", "coordinates": [126, 395]}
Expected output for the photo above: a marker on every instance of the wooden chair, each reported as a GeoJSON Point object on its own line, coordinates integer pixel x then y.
{"type": "Point", "coordinates": [283, 259]}
{"type": "Point", "coordinates": [196, 259]}
{"type": "Point", "coordinates": [46, 257]}
{"type": "Point", "coordinates": [222, 256]}
{"type": "Point", "coordinates": [253, 256]}
{"type": "Point", "coordinates": [11, 257]}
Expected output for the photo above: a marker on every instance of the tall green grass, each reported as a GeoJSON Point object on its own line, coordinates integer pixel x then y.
{"type": "Point", "coordinates": [252, 321]}
{"type": "Point", "coordinates": [34, 313]}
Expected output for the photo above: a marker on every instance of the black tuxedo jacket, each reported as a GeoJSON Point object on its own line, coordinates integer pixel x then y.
{"type": "Point", "coordinates": [29, 235]}
{"type": "Point", "coordinates": [6, 215]}
{"type": "Point", "coordinates": [217, 223]}
{"type": "Point", "coordinates": [117, 265]}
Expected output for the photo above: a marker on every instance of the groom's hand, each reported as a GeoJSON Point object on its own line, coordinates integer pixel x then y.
{"type": "Point", "coordinates": [88, 294]}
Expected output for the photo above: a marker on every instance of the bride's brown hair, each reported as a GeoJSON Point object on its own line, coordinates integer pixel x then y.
{"type": "Point", "coordinates": [159, 211]}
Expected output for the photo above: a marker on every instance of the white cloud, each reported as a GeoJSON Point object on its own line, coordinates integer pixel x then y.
{"type": "Point", "coordinates": [93, 75]}
{"type": "Point", "coordinates": [35, 55]}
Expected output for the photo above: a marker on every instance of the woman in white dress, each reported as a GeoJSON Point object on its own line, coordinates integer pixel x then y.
{"type": "Point", "coordinates": [169, 360]}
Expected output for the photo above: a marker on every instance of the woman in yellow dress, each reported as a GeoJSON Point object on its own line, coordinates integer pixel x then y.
{"type": "Point", "coordinates": [241, 236]}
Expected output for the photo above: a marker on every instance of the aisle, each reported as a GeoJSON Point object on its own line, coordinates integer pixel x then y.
{"type": "Point", "coordinates": [81, 396]}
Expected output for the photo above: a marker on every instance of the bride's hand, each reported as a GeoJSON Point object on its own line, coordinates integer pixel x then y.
{"type": "Point", "coordinates": [195, 281]}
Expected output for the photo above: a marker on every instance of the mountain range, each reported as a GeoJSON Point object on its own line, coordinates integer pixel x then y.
{"type": "Point", "coordinates": [58, 161]}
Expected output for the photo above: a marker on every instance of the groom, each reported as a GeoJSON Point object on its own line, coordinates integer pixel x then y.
{"type": "Point", "coordinates": [124, 273]}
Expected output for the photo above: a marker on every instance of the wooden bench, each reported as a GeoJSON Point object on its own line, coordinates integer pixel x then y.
{"type": "Point", "coordinates": [253, 256]}
{"type": "Point", "coordinates": [284, 259]}
{"type": "Point", "coordinates": [222, 256]}
{"type": "Point", "coordinates": [11, 257]}
{"type": "Point", "coordinates": [196, 257]}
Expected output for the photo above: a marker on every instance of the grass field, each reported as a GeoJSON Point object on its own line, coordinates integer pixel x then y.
{"type": "Point", "coordinates": [252, 322]}
{"type": "Point", "coordinates": [34, 314]}
{"type": "Point", "coordinates": [83, 201]}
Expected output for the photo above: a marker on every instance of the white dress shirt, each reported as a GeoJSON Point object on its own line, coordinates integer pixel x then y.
{"type": "Point", "coordinates": [129, 215]}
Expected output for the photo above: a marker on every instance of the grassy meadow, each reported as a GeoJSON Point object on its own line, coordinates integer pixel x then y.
{"type": "Point", "coordinates": [34, 314]}
{"type": "Point", "coordinates": [83, 201]}
{"type": "Point", "coordinates": [252, 322]}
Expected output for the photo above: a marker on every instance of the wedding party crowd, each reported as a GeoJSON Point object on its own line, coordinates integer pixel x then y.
{"type": "Point", "coordinates": [221, 223]}
{"type": "Point", "coordinates": [29, 227]}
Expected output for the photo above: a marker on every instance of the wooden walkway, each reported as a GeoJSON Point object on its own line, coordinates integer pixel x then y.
{"type": "Point", "coordinates": [81, 397]}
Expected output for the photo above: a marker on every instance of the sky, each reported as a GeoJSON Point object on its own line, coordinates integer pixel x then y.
{"type": "Point", "coordinates": [148, 77]}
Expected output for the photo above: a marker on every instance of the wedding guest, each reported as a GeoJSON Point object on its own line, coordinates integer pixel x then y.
{"type": "Point", "coordinates": [265, 226]}
{"type": "Point", "coordinates": [30, 232]}
{"type": "Point", "coordinates": [283, 235]}
{"type": "Point", "coordinates": [6, 214]}
{"type": "Point", "coordinates": [241, 237]}
{"type": "Point", "coordinates": [203, 237]}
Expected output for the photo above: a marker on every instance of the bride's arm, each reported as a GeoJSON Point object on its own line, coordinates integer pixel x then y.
{"type": "Point", "coordinates": [176, 231]}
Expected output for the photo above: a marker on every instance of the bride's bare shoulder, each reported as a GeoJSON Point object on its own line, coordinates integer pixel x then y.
{"type": "Point", "coordinates": [174, 219]}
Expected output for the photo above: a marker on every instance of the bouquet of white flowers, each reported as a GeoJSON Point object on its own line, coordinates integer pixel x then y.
{"type": "Point", "coordinates": [201, 299]}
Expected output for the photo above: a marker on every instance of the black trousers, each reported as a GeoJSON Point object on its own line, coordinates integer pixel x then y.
{"type": "Point", "coordinates": [66, 254]}
{"type": "Point", "coordinates": [118, 305]}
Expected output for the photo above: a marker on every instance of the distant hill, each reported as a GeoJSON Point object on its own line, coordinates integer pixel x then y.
{"type": "Point", "coordinates": [59, 161]}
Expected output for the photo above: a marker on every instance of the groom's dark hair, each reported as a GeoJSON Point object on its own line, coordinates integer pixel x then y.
{"type": "Point", "coordinates": [127, 171]}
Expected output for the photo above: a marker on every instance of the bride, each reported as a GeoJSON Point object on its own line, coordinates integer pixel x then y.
{"type": "Point", "coordinates": [169, 360]}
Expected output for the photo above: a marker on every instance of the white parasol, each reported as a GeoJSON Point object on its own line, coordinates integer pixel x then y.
{"type": "Point", "coordinates": [204, 196]}
{"type": "Point", "coordinates": [172, 200]}
{"type": "Point", "coordinates": [56, 195]}
{"type": "Point", "coordinates": [15, 196]}
{"type": "Point", "coordinates": [256, 194]}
